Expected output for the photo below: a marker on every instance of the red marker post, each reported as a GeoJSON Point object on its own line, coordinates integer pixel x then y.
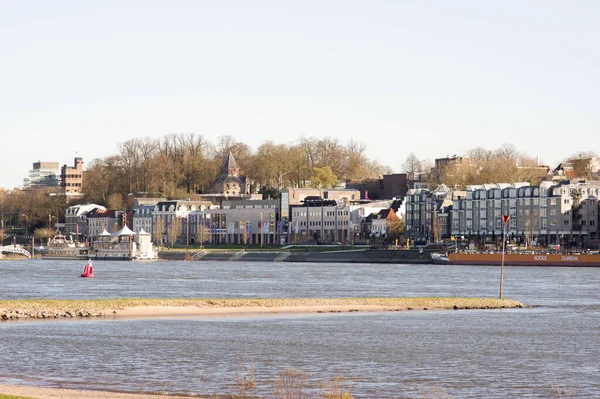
{"type": "Point", "coordinates": [504, 221]}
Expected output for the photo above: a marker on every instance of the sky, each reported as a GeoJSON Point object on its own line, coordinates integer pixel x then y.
{"type": "Point", "coordinates": [434, 78]}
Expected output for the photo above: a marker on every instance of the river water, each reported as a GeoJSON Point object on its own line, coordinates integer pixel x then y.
{"type": "Point", "coordinates": [519, 353]}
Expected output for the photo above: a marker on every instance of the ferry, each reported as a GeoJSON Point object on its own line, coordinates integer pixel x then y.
{"type": "Point", "coordinates": [61, 247]}
{"type": "Point", "coordinates": [589, 259]}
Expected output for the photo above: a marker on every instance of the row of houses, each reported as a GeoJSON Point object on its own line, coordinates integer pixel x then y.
{"type": "Point", "coordinates": [299, 215]}
{"type": "Point", "coordinates": [551, 213]}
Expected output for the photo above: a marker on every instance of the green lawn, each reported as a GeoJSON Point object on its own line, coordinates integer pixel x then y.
{"type": "Point", "coordinates": [3, 396]}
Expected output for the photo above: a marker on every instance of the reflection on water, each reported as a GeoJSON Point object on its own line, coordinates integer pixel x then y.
{"type": "Point", "coordinates": [467, 354]}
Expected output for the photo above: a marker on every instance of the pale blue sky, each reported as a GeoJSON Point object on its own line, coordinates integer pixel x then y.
{"type": "Point", "coordinates": [429, 77]}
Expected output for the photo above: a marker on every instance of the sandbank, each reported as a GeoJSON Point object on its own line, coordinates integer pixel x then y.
{"type": "Point", "coordinates": [154, 307]}
{"type": "Point", "coordinates": [60, 393]}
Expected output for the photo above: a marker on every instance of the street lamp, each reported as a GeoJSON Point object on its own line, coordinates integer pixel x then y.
{"type": "Point", "coordinates": [50, 217]}
{"type": "Point", "coordinates": [27, 231]}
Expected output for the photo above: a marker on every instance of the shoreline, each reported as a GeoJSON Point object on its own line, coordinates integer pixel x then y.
{"type": "Point", "coordinates": [28, 391]}
{"type": "Point", "coordinates": [226, 307]}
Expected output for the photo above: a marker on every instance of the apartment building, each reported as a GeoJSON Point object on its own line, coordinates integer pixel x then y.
{"type": "Point", "coordinates": [427, 213]}
{"type": "Point", "coordinates": [76, 222]}
{"type": "Point", "coordinates": [71, 178]}
{"type": "Point", "coordinates": [548, 214]}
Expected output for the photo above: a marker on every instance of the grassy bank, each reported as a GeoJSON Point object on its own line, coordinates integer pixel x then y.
{"type": "Point", "coordinates": [53, 308]}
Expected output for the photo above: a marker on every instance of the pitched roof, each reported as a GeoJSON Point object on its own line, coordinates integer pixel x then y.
{"type": "Point", "coordinates": [229, 163]}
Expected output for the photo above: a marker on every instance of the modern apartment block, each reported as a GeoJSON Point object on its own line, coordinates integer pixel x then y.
{"type": "Point", "coordinates": [43, 174]}
{"type": "Point", "coordinates": [71, 178]}
{"type": "Point", "coordinates": [427, 213]}
{"type": "Point", "coordinates": [549, 214]}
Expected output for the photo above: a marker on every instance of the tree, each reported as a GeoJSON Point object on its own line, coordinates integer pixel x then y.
{"type": "Point", "coordinates": [323, 177]}
{"type": "Point", "coordinates": [44, 232]}
{"type": "Point", "coordinates": [116, 201]}
{"type": "Point", "coordinates": [202, 235]}
{"type": "Point", "coordinates": [173, 231]}
{"type": "Point", "coordinates": [158, 231]}
{"type": "Point", "coordinates": [395, 230]}
{"type": "Point", "coordinates": [412, 164]}
{"type": "Point", "coordinates": [585, 164]}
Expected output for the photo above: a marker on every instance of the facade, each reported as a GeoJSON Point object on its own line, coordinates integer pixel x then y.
{"type": "Point", "coordinates": [142, 218]}
{"type": "Point", "coordinates": [381, 222]}
{"type": "Point", "coordinates": [329, 221]}
{"type": "Point", "coordinates": [100, 220]}
{"type": "Point", "coordinates": [174, 220]}
{"type": "Point", "coordinates": [295, 196]}
{"type": "Point", "coordinates": [256, 226]}
{"type": "Point", "coordinates": [43, 174]}
{"type": "Point", "coordinates": [76, 222]}
{"type": "Point", "coordinates": [426, 213]}
{"type": "Point", "coordinates": [71, 178]}
{"type": "Point", "coordinates": [548, 214]}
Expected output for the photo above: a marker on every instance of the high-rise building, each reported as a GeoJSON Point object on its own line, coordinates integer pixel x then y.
{"type": "Point", "coordinates": [43, 174]}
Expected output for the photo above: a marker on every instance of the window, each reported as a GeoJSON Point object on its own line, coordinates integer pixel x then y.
{"type": "Point", "coordinates": [553, 201]}
{"type": "Point", "coordinates": [566, 222]}
{"type": "Point", "coordinates": [553, 222]}
{"type": "Point", "coordinates": [552, 212]}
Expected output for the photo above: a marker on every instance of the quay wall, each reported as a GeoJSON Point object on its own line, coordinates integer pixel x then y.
{"type": "Point", "coordinates": [362, 256]}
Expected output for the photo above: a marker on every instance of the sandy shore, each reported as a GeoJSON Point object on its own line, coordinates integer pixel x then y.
{"type": "Point", "coordinates": [178, 307]}
{"type": "Point", "coordinates": [175, 311]}
{"type": "Point", "coordinates": [58, 393]}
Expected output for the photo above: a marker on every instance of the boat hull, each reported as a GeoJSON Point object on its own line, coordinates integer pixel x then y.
{"type": "Point", "coordinates": [495, 259]}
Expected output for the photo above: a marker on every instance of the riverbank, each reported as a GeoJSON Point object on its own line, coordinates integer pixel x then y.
{"type": "Point", "coordinates": [59, 393]}
{"type": "Point", "coordinates": [153, 307]}
{"type": "Point", "coordinates": [316, 254]}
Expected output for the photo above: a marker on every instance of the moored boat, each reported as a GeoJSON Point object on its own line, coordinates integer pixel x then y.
{"type": "Point", "coordinates": [61, 247]}
{"type": "Point", "coordinates": [525, 259]}
{"type": "Point", "coordinates": [440, 259]}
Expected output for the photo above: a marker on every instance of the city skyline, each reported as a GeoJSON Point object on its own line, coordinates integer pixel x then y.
{"type": "Point", "coordinates": [78, 79]}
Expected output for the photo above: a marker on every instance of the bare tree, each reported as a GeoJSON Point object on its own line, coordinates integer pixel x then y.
{"type": "Point", "coordinates": [412, 164]}
{"type": "Point", "coordinates": [158, 231]}
{"type": "Point", "coordinates": [173, 231]}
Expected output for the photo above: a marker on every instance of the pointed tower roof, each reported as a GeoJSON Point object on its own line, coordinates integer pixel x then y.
{"type": "Point", "coordinates": [125, 231]}
{"type": "Point", "coordinates": [228, 164]}
{"type": "Point", "coordinates": [105, 233]}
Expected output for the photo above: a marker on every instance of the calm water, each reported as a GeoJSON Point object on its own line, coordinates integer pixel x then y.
{"type": "Point", "coordinates": [464, 354]}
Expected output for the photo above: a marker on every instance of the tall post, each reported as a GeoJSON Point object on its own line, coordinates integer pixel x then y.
{"type": "Point", "coordinates": [260, 230]}
{"type": "Point", "coordinates": [504, 220]}
{"type": "Point", "coordinates": [187, 234]}
{"type": "Point", "coordinates": [343, 212]}
{"type": "Point", "coordinates": [322, 222]}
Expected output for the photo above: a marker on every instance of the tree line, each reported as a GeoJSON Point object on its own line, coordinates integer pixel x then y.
{"type": "Point", "coordinates": [505, 164]}
{"type": "Point", "coordinates": [183, 165]}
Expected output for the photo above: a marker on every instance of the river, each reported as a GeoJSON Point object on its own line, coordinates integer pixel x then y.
{"type": "Point", "coordinates": [413, 354]}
